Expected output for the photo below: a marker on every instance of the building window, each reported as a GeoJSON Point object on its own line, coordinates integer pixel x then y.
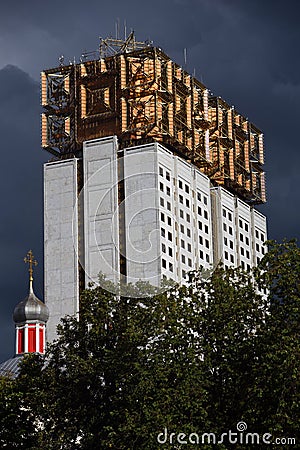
{"type": "Point", "coordinates": [247, 254]}
{"type": "Point", "coordinates": [169, 221]}
{"type": "Point", "coordinates": [206, 243]}
{"type": "Point", "coordinates": [164, 263]}
{"type": "Point", "coordinates": [200, 240]}
{"type": "Point", "coordinates": [241, 223]}
{"type": "Point", "coordinates": [199, 225]}
{"type": "Point", "coordinates": [230, 217]}
{"type": "Point", "coordinates": [170, 267]}
{"type": "Point", "coordinates": [230, 230]}
{"type": "Point", "coordinates": [162, 232]}
{"type": "Point", "coordinates": [163, 247]}
{"type": "Point", "coordinates": [187, 202]}
{"type": "Point", "coordinates": [168, 175]}
{"type": "Point", "coordinates": [182, 243]}
{"type": "Point", "coordinates": [199, 196]}
{"type": "Point", "coordinates": [168, 206]}
{"type": "Point", "coordinates": [231, 244]}
{"type": "Point", "coordinates": [180, 184]}
{"type": "Point", "coordinates": [257, 247]}
{"type": "Point", "coordinates": [162, 217]}
{"type": "Point", "coordinates": [226, 255]}
{"type": "Point", "coordinates": [241, 237]}
{"type": "Point", "coordinates": [201, 254]}
{"type": "Point", "coordinates": [232, 258]}
{"type": "Point", "coordinates": [183, 274]}
{"type": "Point", "coordinates": [205, 200]}
{"type": "Point", "coordinates": [225, 241]}
{"type": "Point", "coordinates": [242, 251]}
{"type": "Point", "coordinates": [181, 198]}
{"type": "Point", "coordinates": [224, 212]}
{"type": "Point", "coordinates": [256, 234]}
{"type": "Point", "coordinates": [168, 191]}
{"type": "Point", "coordinates": [189, 262]}
{"type": "Point", "coordinates": [161, 171]}
{"type": "Point", "coordinates": [162, 202]}
{"type": "Point", "coordinates": [170, 237]}
{"type": "Point", "coordinates": [205, 215]}
{"type": "Point", "coordinates": [224, 227]}
{"type": "Point", "coordinates": [188, 217]}
{"type": "Point", "coordinates": [161, 187]}
{"type": "Point", "coordinates": [181, 213]}
{"type": "Point", "coordinates": [207, 258]}
{"type": "Point", "coordinates": [189, 247]}
{"type": "Point", "coordinates": [206, 229]}
{"type": "Point", "coordinates": [182, 229]}
{"type": "Point", "coordinates": [247, 240]}
{"type": "Point", "coordinates": [246, 227]}
{"type": "Point", "coordinates": [188, 232]}
{"type": "Point", "coordinates": [170, 251]}
{"type": "Point", "coordinates": [199, 211]}
{"type": "Point", "coordinates": [183, 259]}
{"type": "Point", "coordinates": [187, 189]}
{"type": "Point", "coordinates": [262, 237]}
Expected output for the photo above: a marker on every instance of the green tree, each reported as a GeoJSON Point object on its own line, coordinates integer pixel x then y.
{"type": "Point", "coordinates": [194, 359]}
{"type": "Point", "coordinates": [275, 403]}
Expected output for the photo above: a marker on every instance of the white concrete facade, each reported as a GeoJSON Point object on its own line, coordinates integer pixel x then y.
{"type": "Point", "coordinates": [239, 231]}
{"type": "Point", "coordinates": [60, 241]}
{"type": "Point", "coordinates": [99, 201]}
{"type": "Point", "coordinates": [167, 215]}
{"type": "Point", "coordinates": [147, 205]}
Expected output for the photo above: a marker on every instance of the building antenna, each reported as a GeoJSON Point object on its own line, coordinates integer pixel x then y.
{"type": "Point", "coordinates": [185, 57]}
{"type": "Point", "coordinates": [117, 27]}
{"type": "Point", "coordinates": [125, 30]}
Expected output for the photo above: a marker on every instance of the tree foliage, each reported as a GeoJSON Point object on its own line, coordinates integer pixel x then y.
{"type": "Point", "coordinates": [194, 359]}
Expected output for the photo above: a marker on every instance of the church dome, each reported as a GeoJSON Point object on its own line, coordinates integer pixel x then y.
{"type": "Point", "coordinates": [31, 308]}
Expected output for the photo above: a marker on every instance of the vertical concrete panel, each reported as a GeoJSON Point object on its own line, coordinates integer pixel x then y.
{"type": "Point", "coordinates": [141, 214]}
{"type": "Point", "coordinates": [100, 206]}
{"type": "Point", "coordinates": [60, 241]}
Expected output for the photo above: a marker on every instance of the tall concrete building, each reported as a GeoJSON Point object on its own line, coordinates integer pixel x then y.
{"type": "Point", "coordinates": [151, 175]}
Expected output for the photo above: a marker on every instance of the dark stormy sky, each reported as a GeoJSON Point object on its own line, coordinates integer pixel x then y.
{"type": "Point", "coordinates": [246, 51]}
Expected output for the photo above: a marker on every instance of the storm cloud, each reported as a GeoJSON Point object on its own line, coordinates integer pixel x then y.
{"type": "Point", "coordinates": [245, 51]}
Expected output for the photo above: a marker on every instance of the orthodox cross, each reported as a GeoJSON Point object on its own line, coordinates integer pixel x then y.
{"type": "Point", "coordinates": [29, 259]}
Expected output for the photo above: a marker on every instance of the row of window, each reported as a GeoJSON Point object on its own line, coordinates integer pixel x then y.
{"type": "Point", "coordinates": [184, 260]}
{"type": "Point", "coordinates": [227, 214]}
{"type": "Point", "coordinates": [205, 213]}
{"type": "Point", "coordinates": [245, 252]}
{"type": "Point", "coordinates": [229, 228]}
{"type": "Point", "coordinates": [262, 249]}
{"type": "Point", "coordinates": [183, 186]}
{"type": "Point", "coordinates": [182, 200]}
{"type": "Point", "coordinates": [163, 218]}
{"type": "Point", "coordinates": [183, 243]}
{"type": "Point", "coordinates": [262, 237]}
{"type": "Point", "coordinates": [161, 173]}
{"type": "Point", "coordinates": [230, 242]}
{"type": "Point", "coordinates": [243, 225]}
{"type": "Point", "coordinates": [202, 227]}
{"type": "Point", "coordinates": [229, 257]}
{"type": "Point", "coordinates": [202, 198]}
{"type": "Point", "coordinates": [162, 203]}
{"type": "Point", "coordinates": [242, 239]}
{"type": "Point", "coordinates": [162, 189]}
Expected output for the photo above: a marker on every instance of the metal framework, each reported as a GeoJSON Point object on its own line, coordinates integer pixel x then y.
{"type": "Point", "coordinates": [134, 90]}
